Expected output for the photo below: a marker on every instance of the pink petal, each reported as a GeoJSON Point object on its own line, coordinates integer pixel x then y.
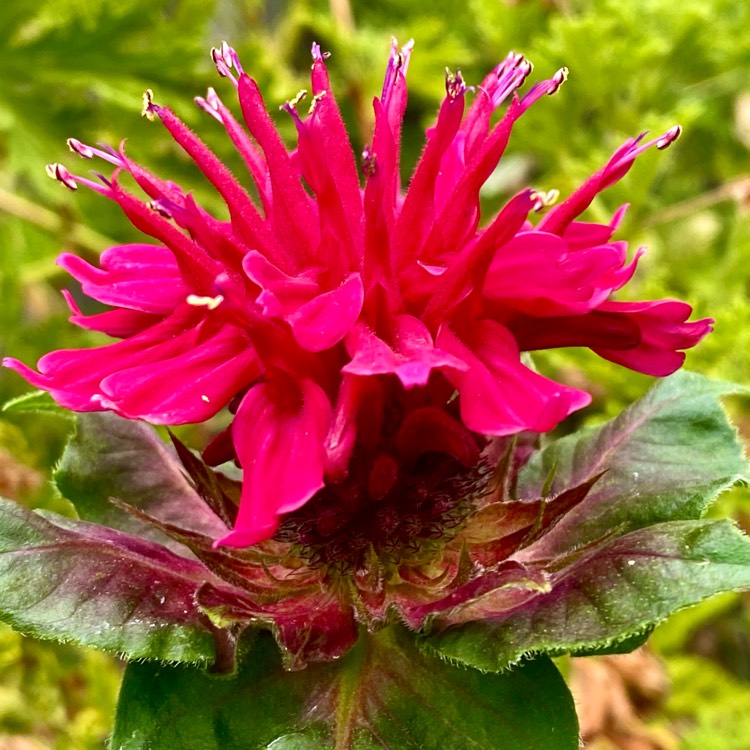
{"type": "Point", "coordinates": [580, 234]}
{"type": "Point", "coordinates": [337, 148]}
{"type": "Point", "coordinates": [643, 336]}
{"type": "Point", "coordinates": [498, 394]}
{"type": "Point", "coordinates": [139, 277]}
{"type": "Point", "coordinates": [116, 323]}
{"type": "Point", "coordinates": [245, 216]}
{"type": "Point", "coordinates": [281, 294]}
{"type": "Point", "coordinates": [243, 143]}
{"type": "Point", "coordinates": [381, 198]}
{"type": "Point", "coordinates": [319, 319]}
{"type": "Point", "coordinates": [664, 329]}
{"type": "Point", "coordinates": [189, 387]}
{"type": "Point", "coordinates": [73, 376]}
{"type": "Point", "coordinates": [418, 211]}
{"type": "Point", "coordinates": [198, 269]}
{"type": "Point", "coordinates": [294, 216]}
{"type": "Point", "coordinates": [468, 269]}
{"type": "Point", "coordinates": [342, 434]}
{"type": "Point", "coordinates": [412, 357]}
{"type": "Point", "coordinates": [537, 273]}
{"type": "Point", "coordinates": [327, 318]}
{"type": "Point", "coordinates": [595, 329]}
{"type": "Point", "coordinates": [278, 432]}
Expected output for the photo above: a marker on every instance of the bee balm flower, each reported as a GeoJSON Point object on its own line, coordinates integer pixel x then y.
{"type": "Point", "coordinates": [354, 330]}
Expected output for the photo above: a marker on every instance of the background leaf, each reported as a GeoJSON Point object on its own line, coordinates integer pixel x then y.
{"type": "Point", "coordinates": [382, 694]}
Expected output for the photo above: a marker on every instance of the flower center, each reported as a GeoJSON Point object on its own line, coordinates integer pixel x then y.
{"type": "Point", "coordinates": [344, 526]}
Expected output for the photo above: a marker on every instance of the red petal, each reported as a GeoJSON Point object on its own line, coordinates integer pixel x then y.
{"type": "Point", "coordinates": [498, 394]}
{"type": "Point", "coordinates": [139, 277]}
{"type": "Point", "coordinates": [278, 433]}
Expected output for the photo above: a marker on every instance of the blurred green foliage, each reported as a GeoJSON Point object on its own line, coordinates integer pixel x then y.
{"type": "Point", "coordinates": [79, 68]}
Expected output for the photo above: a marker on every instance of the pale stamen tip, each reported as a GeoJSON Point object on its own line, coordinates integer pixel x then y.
{"type": "Point", "coordinates": [60, 174]}
{"type": "Point", "coordinates": [669, 137]}
{"type": "Point", "coordinates": [320, 95]}
{"type": "Point", "coordinates": [210, 104]}
{"type": "Point", "coordinates": [369, 161]}
{"type": "Point", "coordinates": [160, 209]}
{"type": "Point", "coordinates": [149, 108]}
{"type": "Point", "coordinates": [80, 148]}
{"type": "Point", "coordinates": [317, 55]}
{"type": "Point", "coordinates": [558, 80]}
{"type": "Point", "coordinates": [543, 199]}
{"type": "Point", "coordinates": [297, 98]}
{"type": "Point", "coordinates": [454, 84]}
{"type": "Point", "coordinates": [218, 62]}
{"type": "Point", "coordinates": [225, 58]}
{"type": "Point", "coordinates": [210, 303]}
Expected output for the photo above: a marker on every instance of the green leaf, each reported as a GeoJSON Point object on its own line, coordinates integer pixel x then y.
{"type": "Point", "coordinates": [74, 581]}
{"type": "Point", "coordinates": [665, 458]}
{"type": "Point", "coordinates": [113, 457]}
{"type": "Point", "coordinates": [624, 646]}
{"type": "Point", "coordinates": [383, 694]}
{"type": "Point", "coordinates": [615, 592]}
{"type": "Point", "coordinates": [36, 402]}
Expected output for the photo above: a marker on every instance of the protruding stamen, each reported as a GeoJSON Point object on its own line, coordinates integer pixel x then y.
{"type": "Point", "coordinates": [317, 54]}
{"type": "Point", "coordinates": [549, 87]}
{"type": "Point", "coordinates": [628, 153]}
{"type": "Point", "coordinates": [59, 173]}
{"type": "Point", "coordinates": [399, 59]}
{"type": "Point", "coordinates": [542, 199]}
{"type": "Point", "coordinates": [170, 209]}
{"type": "Point", "coordinates": [159, 206]}
{"type": "Point", "coordinates": [72, 182]}
{"type": "Point", "coordinates": [80, 148]}
{"type": "Point", "coordinates": [669, 137]}
{"type": "Point", "coordinates": [397, 62]}
{"type": "Point", "coordinates": [320, 95]}
{"type": "Point", "coordinates": [148, 105]}
{"type": "Point", "coordinates": [290, 107]}
{"type": "Point", "coordinates": [105, 180]}
{"type": "Point", "coordinates": [219, 62]}
{"type": "Point", "coordinates": [88, 152]}
{"type": "Point", "coordinates": [210, 303]}
{"type": "Point", "coordinates": [225, 58]}
{"type": "Point", "coordinates": [557, 80]}
{"type": "Point", "coordinates": [369, 161]}
{"type": "Point", "coordinates": [210, 104]}
{"type": "Point", "coordinates": [454, 84]}
{"type": "Point", "coordinates": [509, 75]}
{"type": "Point", "coordinates": [297, 98]}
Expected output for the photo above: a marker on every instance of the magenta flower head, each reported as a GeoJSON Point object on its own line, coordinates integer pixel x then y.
{"type": "Point", "coordinates": [367, 340]}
